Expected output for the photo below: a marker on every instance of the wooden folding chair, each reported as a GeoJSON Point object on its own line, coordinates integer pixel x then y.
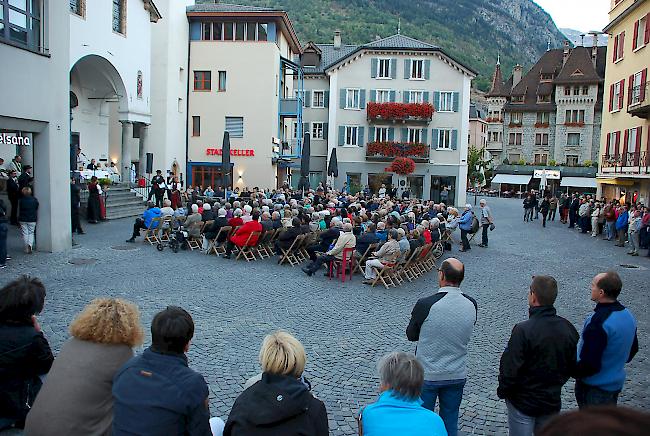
{"type": "Point", "coordinates": [153, 231]}
{"type": "Point", "coordinates": [385, 274]}
{"type": "Point", "coordinates": [247, 251]}
{"type": "Point", "coordinates": [360, 265]}
{"type": "Point", "coordinates": [407, 269]}
{"type": "Point", "coordinates": [220, 247]}
{"type": "Point", "coordinates": [289, 254]}
{"type": "Point", "coordinates": [166, 230]}
{"type": "Point", "coordinates": [419, 266]}
{"type": "Point", "coordinates": [213, 243]}
{"type": "Point", "coordinates": [261, 247]}
{"type": "Point", "coordinates": [436, 253]}
{"type": "Point", "coordinates": [195, 242]}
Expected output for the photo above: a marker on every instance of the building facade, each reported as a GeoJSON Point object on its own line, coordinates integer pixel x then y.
{"type": "Point", "coordinates": [392, 97]}
{"type": "Point", "coordinates": [625, 141]}
{"type": "Point", "coordinates": [550, 116]}
{"type": "Point", "coordinates": [242, 79]}
{"type": "Point", "coordinates": [478, 127]}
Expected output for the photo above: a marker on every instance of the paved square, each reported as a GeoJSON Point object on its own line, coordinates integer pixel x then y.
{"type": "Point", "coordinates": [347, 327]}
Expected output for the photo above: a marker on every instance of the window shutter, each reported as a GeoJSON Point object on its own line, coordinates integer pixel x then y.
{"type": "Point", "coordinates": [371, 134]}
{"type": "Point", "coordinates": [393, 97]}
{"type": "Point", "coordinates": [405, 134]}
{"type": "Point", "coordinates": [405, 96]}
{"type": "Point", "coordinates": [630, 88]}
{"type": "Point", "coordinates": [361, 137]}
{"type": "Point", "coordinates": [407, 68]}
{"type": "Point", "coordinates": [325, 130]}
{"type": "Point", "coordinates": [341, 135]}
{"type": "Point", "coordinates": [621, 44]}
{"type": "Point", "coordinates": [434, 138]}
{"type": "Point", "coordinates": [326, 99]}
{"type": "Point", "coordinates": [391, 133]}
{"type": "Point", "coordinates": [615, 52]}
{"type": "Point", "coordinates": [456, 101]}
{"type": "Point", "coordinates": [393, 68]}
{"type": "Point", "coordinates": [454, 139]}
{"type": "Point", "coordinates": [611, 97]}
{"type": "Point", "coordinates": [342, 98]}
{"type": "Point", "coordinates": [373, 68]}
{"type": "Point", "coordinates": [636, 34]}
{"type": "Point", "coordinates": [617, 143]}
{"type": "Point", "coordinates": [373, 94]}
{"type": "Point", "coordinates": [436, 100]}
{"type": "Point", "coordinates": [637, 147]}
{"type": "Point", "coordinates": [423, 136]}
{"type": "Point", "coordinates": [621, 93]}
{"type": "Point", "coordinates": [307, 102]}
{"type": "Point", "coordinates": [625, 139]}
{"type": "Point", "coordinates": [362, 99]}
{"type": "Point", "coordinates": [609, 140]}
{"type": "Point", "coordinates": [425, 97]}
{"type": "Point", "coordinates": [646, 39]}
{"type": "Point", "coordinates": [644, 79]}
{"type": "Point", "coordinates": [427, 68]}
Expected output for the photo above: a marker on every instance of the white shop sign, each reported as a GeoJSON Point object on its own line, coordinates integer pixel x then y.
{"type": "Point", "coordinates": [550, 174]}
{"type": "Point", "coordinates": [14, 140]}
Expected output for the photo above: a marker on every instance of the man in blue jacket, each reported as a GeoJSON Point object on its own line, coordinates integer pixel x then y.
{"type": "Point", "coordinates": [156, 393]}
{"type": "Point", "coordinates": [465, 224]}
{"type": "Point", "coordinates": [144, 222]}
{"type": "Point", "coordinates": [621, 225]}
{"type": "Point", "coordinates": [607, 343]}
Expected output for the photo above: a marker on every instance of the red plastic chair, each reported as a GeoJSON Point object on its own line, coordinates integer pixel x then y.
{"type": "Point", "coordinates": [347, 260]}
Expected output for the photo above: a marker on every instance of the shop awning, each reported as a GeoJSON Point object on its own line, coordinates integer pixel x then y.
{"type": "Point", "coordinates": [578, 182]}
{"type": "Point", "coordinates": [619, 182]}
{"type": "Point", "coordinates": [512, 179]}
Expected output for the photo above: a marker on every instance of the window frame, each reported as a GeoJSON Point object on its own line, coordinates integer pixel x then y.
{"type": "Point", "coordinates": [322, 130]}
{"type": "Point", "coordinates": [382, 92]}
{"type": "Point", "coordinates": [541, 139]}
{"type": "Point", "coordinates": [640, 26]}
{"type": "Point", "coordinates": [221, 88]}
{"type": "Point", "coordinates": [575, 159]}
{"type": "Point", "coordinates": [572, 135]}
{"type": "Point", "coordinates": [387, 62]}
{"type": "Point", "coordinates": [33, 30]}
{"type": "Point", "coordinates": [635, 89]}
{"type": "Point", "coordinates": [444, 139]}
{"type": "Point", "coordinates": [80, 10]}
{"type": "Point", "coordinates": [347, 136]}
{"type": "Point", "coordinates": [413, 93]}
{"type": "Point", "coordinates": [616, 96]}
{"type": "Point", "coordinates": [203, 81]}
{"type": "Point", "coordinates": [382, 137]}
{"type": "Point", "coordinates": [122, 16]}
{"type": "Point", "coordinates": [358, 98]}
{"type": "Point", "coordinates": [419, 62]}
{"type": "Point", "coordinates": [414, 135]}
{"type": "Point", "coordinates": [196, 125]}
{"type": "Point", "coordinates": [231, 133]}
{"type": "Point", "coordinates": [448, 99]}
{"type": "Point", "coordinates": [517, 138]}
{"type": "Point", "coordinates": [313, 98]}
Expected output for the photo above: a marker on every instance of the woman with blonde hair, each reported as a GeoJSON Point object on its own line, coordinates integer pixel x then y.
{"type": "Point", "coordinates": [76, 398]}
{"type": "Point", "coordinates": [279, 403]}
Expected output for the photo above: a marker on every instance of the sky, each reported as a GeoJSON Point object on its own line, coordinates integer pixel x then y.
{"type": "Point", "coordinates": [583, 15]}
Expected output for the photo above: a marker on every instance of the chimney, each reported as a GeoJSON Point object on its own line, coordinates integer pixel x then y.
{"type": "Point", "coordinates": [594, 47]}
{"type": "Point", "coordinates": [337, 40]}
{"type": "Point", "coordinates": [565, 55]}
{"type": "Point", "coordinates": [516, 75]}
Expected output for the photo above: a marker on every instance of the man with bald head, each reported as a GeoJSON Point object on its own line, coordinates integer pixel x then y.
{"type": "Point", "coordinates": [442, 325]}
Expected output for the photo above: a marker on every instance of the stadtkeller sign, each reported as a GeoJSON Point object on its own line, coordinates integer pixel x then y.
{"type": "Point", "coordinates": [550, 174]}
{"type": "Point", "coordinates": [15, 140]}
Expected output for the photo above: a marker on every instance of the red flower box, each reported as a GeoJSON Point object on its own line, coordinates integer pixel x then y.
{"type": "Point", "coordinates": [402, 166]}
{"type": "Point", "coordinates": [579, 124]}
{"type": "Point", "coordinates": [493, 120]}
{"type": "Point", "coordinates": [400, 111]}
{"type": "Point", "coordinates": [541, 125]}
{"type": "Point", "coordinates": [397, 149]}
{"type": "Point", "coordinates": [514, 125]}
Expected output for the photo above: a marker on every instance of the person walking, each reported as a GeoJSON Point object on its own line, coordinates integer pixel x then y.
{"type": "Point", "coordinates": [528, 208]}
{"type": "Point", "coordinates": [544, 207]}
{"type": "Point", "coordinates": [27, 217]}
{"type": "Point", "coordinates": [553, 208]}
{"type": "Point", "coordinates": [465, 224]}
{"type": "Point", "coordinates": [608, 341]}
{"type": "Point", "coordinates": [538, 360]}
{"type": "Point", "coordinates": [487, 222]}
{"type": "Point", "coordinates": [75, 205]}
{"type": "Point", "coordinates": [442, 325]}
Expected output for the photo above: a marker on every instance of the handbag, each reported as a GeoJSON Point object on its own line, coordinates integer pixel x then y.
{"type": "Point", "coordinates": [492, 226]}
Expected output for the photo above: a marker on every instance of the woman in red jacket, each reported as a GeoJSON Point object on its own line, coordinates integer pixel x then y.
{"type": "Point", "coordinates": [240, 238]}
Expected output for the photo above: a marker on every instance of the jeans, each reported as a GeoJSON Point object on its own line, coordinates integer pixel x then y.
{"type": "Point", "coordinates": [611, 230]}
{"type": "Point", "coordinates": [3, 243]}
{"type": "Point", "coordinates": [463, 238]}
{"type": "Point", "coordinates": [587, 395]}
{"type": "Point", "coordinates": [520, 424]}
{"type": "Point", "coordinates": [622, 233]}
{"type": "Point", "coordinates": [484, 240]}
{"type": "Point", "coordinates": [28, 230]}
{"type": "Point", "coordinates": [450, 394]}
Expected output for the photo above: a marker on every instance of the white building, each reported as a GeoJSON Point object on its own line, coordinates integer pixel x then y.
{"type": "Point", "coordinates": [370, 103]}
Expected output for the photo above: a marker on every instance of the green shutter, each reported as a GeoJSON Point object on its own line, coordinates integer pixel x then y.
{"type": "Point", "coordinates": [423, 136]}
{"type": "Point", "coordinates": [434, 138]}
{"type": "Point", "coordinates": [391, 133]}
{"type": "Point", "coordinates": [326, 99]}
{"type": "Point", "coordinates": [342, 99]}
{"type": "Point", "coordinates": [393, 68]}
{"type": "Point", "coordinates": [454, 139]}
{"type": "Point", "coordinates": [373, 67]}
{"type": "Point", "coordinates": [407, 68]}
{"type": "Point", "coordinates": [361, 137]}
{"type": "Point", "coordinates": [373, 94]}
{"type": "Point", "coordinates": [362, 98]}
{"type": "Point", "coordinates": [425, 97]}
{"type": "Point", "coordinates": [393, 97]}
{"type": "Point", "coordinates": [341, 135]}
{"type": "Point", "coordinates": [325, 130]}
{"type": "Point", "coordinates": [405, 134]}
{"type": "Point", "coordinates": [436, 100]}
{"type": "Point", "coordinates": [456, 101]}
{"type": "Point", "coordinates": [371, 134]}
{"type": "Point", "coordinates": [405, 96]}
{"type": "Point", "coordinates": [307, 101]}
{"type": "Point", "coordinates": [427, 69]}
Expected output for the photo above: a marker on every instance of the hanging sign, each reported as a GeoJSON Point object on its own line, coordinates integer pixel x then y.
{"type": "Point", "coordinates": [240, 152]}
{"type": "Point", "coordinates": [15, 140]}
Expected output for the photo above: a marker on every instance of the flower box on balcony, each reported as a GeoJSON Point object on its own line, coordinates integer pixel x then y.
{"type": "Point", "coordinates": [579, 124]}
{"type": "Point", "coordinates": [515, 124]}
{"type": "Point", "coordinates": [400, 111]}
{"type": "Point", "coordinates": [493, 120]}
{"type": "Point", "coordinates": [541, 125]}
{"type": "Point", "coordinates": [384, 151]}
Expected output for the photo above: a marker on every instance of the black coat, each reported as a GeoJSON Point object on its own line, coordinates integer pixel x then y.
{"type": "Point", "coordinates": [211, 232]}
{"type": "Point", "coordinates": [24, 180]}
{"type": "Point", "coordinates": [364, 241]}
{"type": "Point", "coordinates": [277, 405]}
{"type": "Point", "coordinates": [13, 189]}
{"type": "Point", "coordinates": [286, 238]}
{"type": "Point", "coordinates": [538, 361]}
{"type": "Point", "coordinates": [24, 355]}
{"type": "Point", "coordinates": [75, 196]}
{"type": "Point", "coordinates": [27, 209]}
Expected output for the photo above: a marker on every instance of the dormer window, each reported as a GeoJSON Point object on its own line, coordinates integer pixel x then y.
{"type": "Point", "coordinates": [517, 98]}
{"type": "Point", "coordinates": [543, 99]}
{"type": "Point", "coordinates": [546, 77]}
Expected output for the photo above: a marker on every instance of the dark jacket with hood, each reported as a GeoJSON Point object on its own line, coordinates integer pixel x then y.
{"type": "Point", "coordinates": [277, 405]}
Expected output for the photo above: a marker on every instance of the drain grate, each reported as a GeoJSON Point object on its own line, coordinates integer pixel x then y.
{"type": "Point", "coordinates": [629, 266]}
{"type": "Point", "coordinates": [124, 247]}
{"type": "Point", "coordinates": [82, 261]}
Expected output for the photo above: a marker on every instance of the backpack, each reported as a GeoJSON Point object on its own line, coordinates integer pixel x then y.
{"type": "Point", "coordinates": [475, 224]}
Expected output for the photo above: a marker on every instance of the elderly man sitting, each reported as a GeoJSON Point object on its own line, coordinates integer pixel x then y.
{"type": "Point", "coordinates": [346, 240]}
{"type": "Point", "coordinates": [386, 254]}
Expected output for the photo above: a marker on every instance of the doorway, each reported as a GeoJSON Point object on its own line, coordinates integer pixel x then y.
{"type": "Point", "coordinates": [438, 191]}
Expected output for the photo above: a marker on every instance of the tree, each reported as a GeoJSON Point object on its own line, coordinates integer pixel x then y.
{"type": "Point", "coordinates": [476, 166]}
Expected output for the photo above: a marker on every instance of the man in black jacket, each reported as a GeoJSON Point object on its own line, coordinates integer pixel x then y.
{"type": "Point", "coordinates": [75, 201]}
{"type": "Point", "coordinates": [573, 211]}
{"type": "Point", "coordinates": [537, 362]}
{"type": "Point", "coordinates": [366, 239]}
{"type": "Point", "coordinates": [286, 238]}
{"type": "Point", "coordinates": [326, 239]}
{"type": "Point", "coordinates": [13, 192]}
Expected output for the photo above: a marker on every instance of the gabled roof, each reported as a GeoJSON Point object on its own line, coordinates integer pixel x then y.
{"type": "Point", "coordinates": [330, 56]}
{"type": "Point", "coordinates": [549, 63]}
{"type": "Point", "coordinates": [498, 88]}
{"type": "Point", "coordinates": [226, 7]}
{"type": "Point", "coordinates": [400, 41]}
{"type": "Point", "coordinates": [580, 60]}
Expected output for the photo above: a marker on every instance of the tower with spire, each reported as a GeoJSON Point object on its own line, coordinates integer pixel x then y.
{"type": "Point", "coordinates": [497, 97]}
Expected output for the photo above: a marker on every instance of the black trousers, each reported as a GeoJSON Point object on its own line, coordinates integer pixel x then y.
{"type": "Point", "coordinates": [137, 226]}
{"type": "Point", "coordinates": [76, 222]}
{"type": "Point", "coordinates": [572, 219]}
{"type": "Point", "coordinates": [551, 215]}
{"type": "Point", "coordinates": [463, 238]}
{"type": "Point", "coordinates": [13, 200]}
{"type": "Point", "coordinates": [311, 250]}
{"type": "Point", "coordinates": [159, 193]}
{"type": "Point", "coordinates": [3, 242]}
{"type": "Point", "coordinates": [318, 263]}
{"type": "Point", "coordinates": [484, 240]}
{"type": "Point", "coordinates": [544, 218]}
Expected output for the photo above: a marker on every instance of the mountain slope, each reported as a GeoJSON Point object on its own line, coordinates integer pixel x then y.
{"type": "Point", "coordinates": [473, 31]}
{"type": "Point", "coordinates": [574, 36]}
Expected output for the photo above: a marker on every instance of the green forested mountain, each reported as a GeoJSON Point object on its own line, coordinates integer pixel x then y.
{"type": "Point", "coordinates": [473, 31]}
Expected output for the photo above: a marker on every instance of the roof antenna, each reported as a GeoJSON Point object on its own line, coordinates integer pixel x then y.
{"type": "Point", "coordinates": [548, 44]}
{"type": "Point", "coordinates": [399, 25]}
{"type": "Point", "coordinates": [582, 39]}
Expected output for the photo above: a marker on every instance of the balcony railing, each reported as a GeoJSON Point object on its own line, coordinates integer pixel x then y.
{"type": "Point", "coordinates": [289, 107]}
{"type": "Point", "coordinates": [400, 112]}
{"type": "Point", "coordinates": [387, 151]}
{"type": "Point", "coordinates": [639, 102]}
{"type": "Point", "coordinates": [626, 163]}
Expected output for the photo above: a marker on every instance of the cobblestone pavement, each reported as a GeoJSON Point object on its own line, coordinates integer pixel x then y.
{"type": "Point", "coordinates": [345, 327]}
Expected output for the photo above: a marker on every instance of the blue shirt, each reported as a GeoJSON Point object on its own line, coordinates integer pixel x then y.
{"type": "Point", "coordinates": [466, 219]}
{"type": "Point", "coordinates": [621, 221]}
{"type": "Point", "coordinates": [382, 235]}
{"type": "Point", "coordinates": [150, 214]}
{"type": "Point", "coordinates": [393, 415]}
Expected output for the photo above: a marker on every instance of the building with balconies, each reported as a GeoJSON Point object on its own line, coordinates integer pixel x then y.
{"type": "Point", "coordinates": [392, 97]}
{"type": "Point", "coordinates": [625, 139]}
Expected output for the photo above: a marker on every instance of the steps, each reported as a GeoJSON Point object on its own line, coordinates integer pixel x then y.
{"type": "Point", "coordinates": [120, 203]}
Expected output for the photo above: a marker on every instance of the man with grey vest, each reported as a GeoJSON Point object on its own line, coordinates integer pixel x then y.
{"type": "Point", "coordinates": [442, 324]}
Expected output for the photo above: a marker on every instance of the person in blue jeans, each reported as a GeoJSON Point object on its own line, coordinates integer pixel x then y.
{"type": "Point", "coordinates": [442, 324]}
{"type": "Point", "coordinates": [608, 341]}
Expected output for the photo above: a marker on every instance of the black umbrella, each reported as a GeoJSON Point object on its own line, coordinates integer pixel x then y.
{"type": "Point", "coordinates": [225, 160]}
{"type": "Point", "coordinates": [304, 163]}
{"type": "Point", "coordinates": [333, 167]}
